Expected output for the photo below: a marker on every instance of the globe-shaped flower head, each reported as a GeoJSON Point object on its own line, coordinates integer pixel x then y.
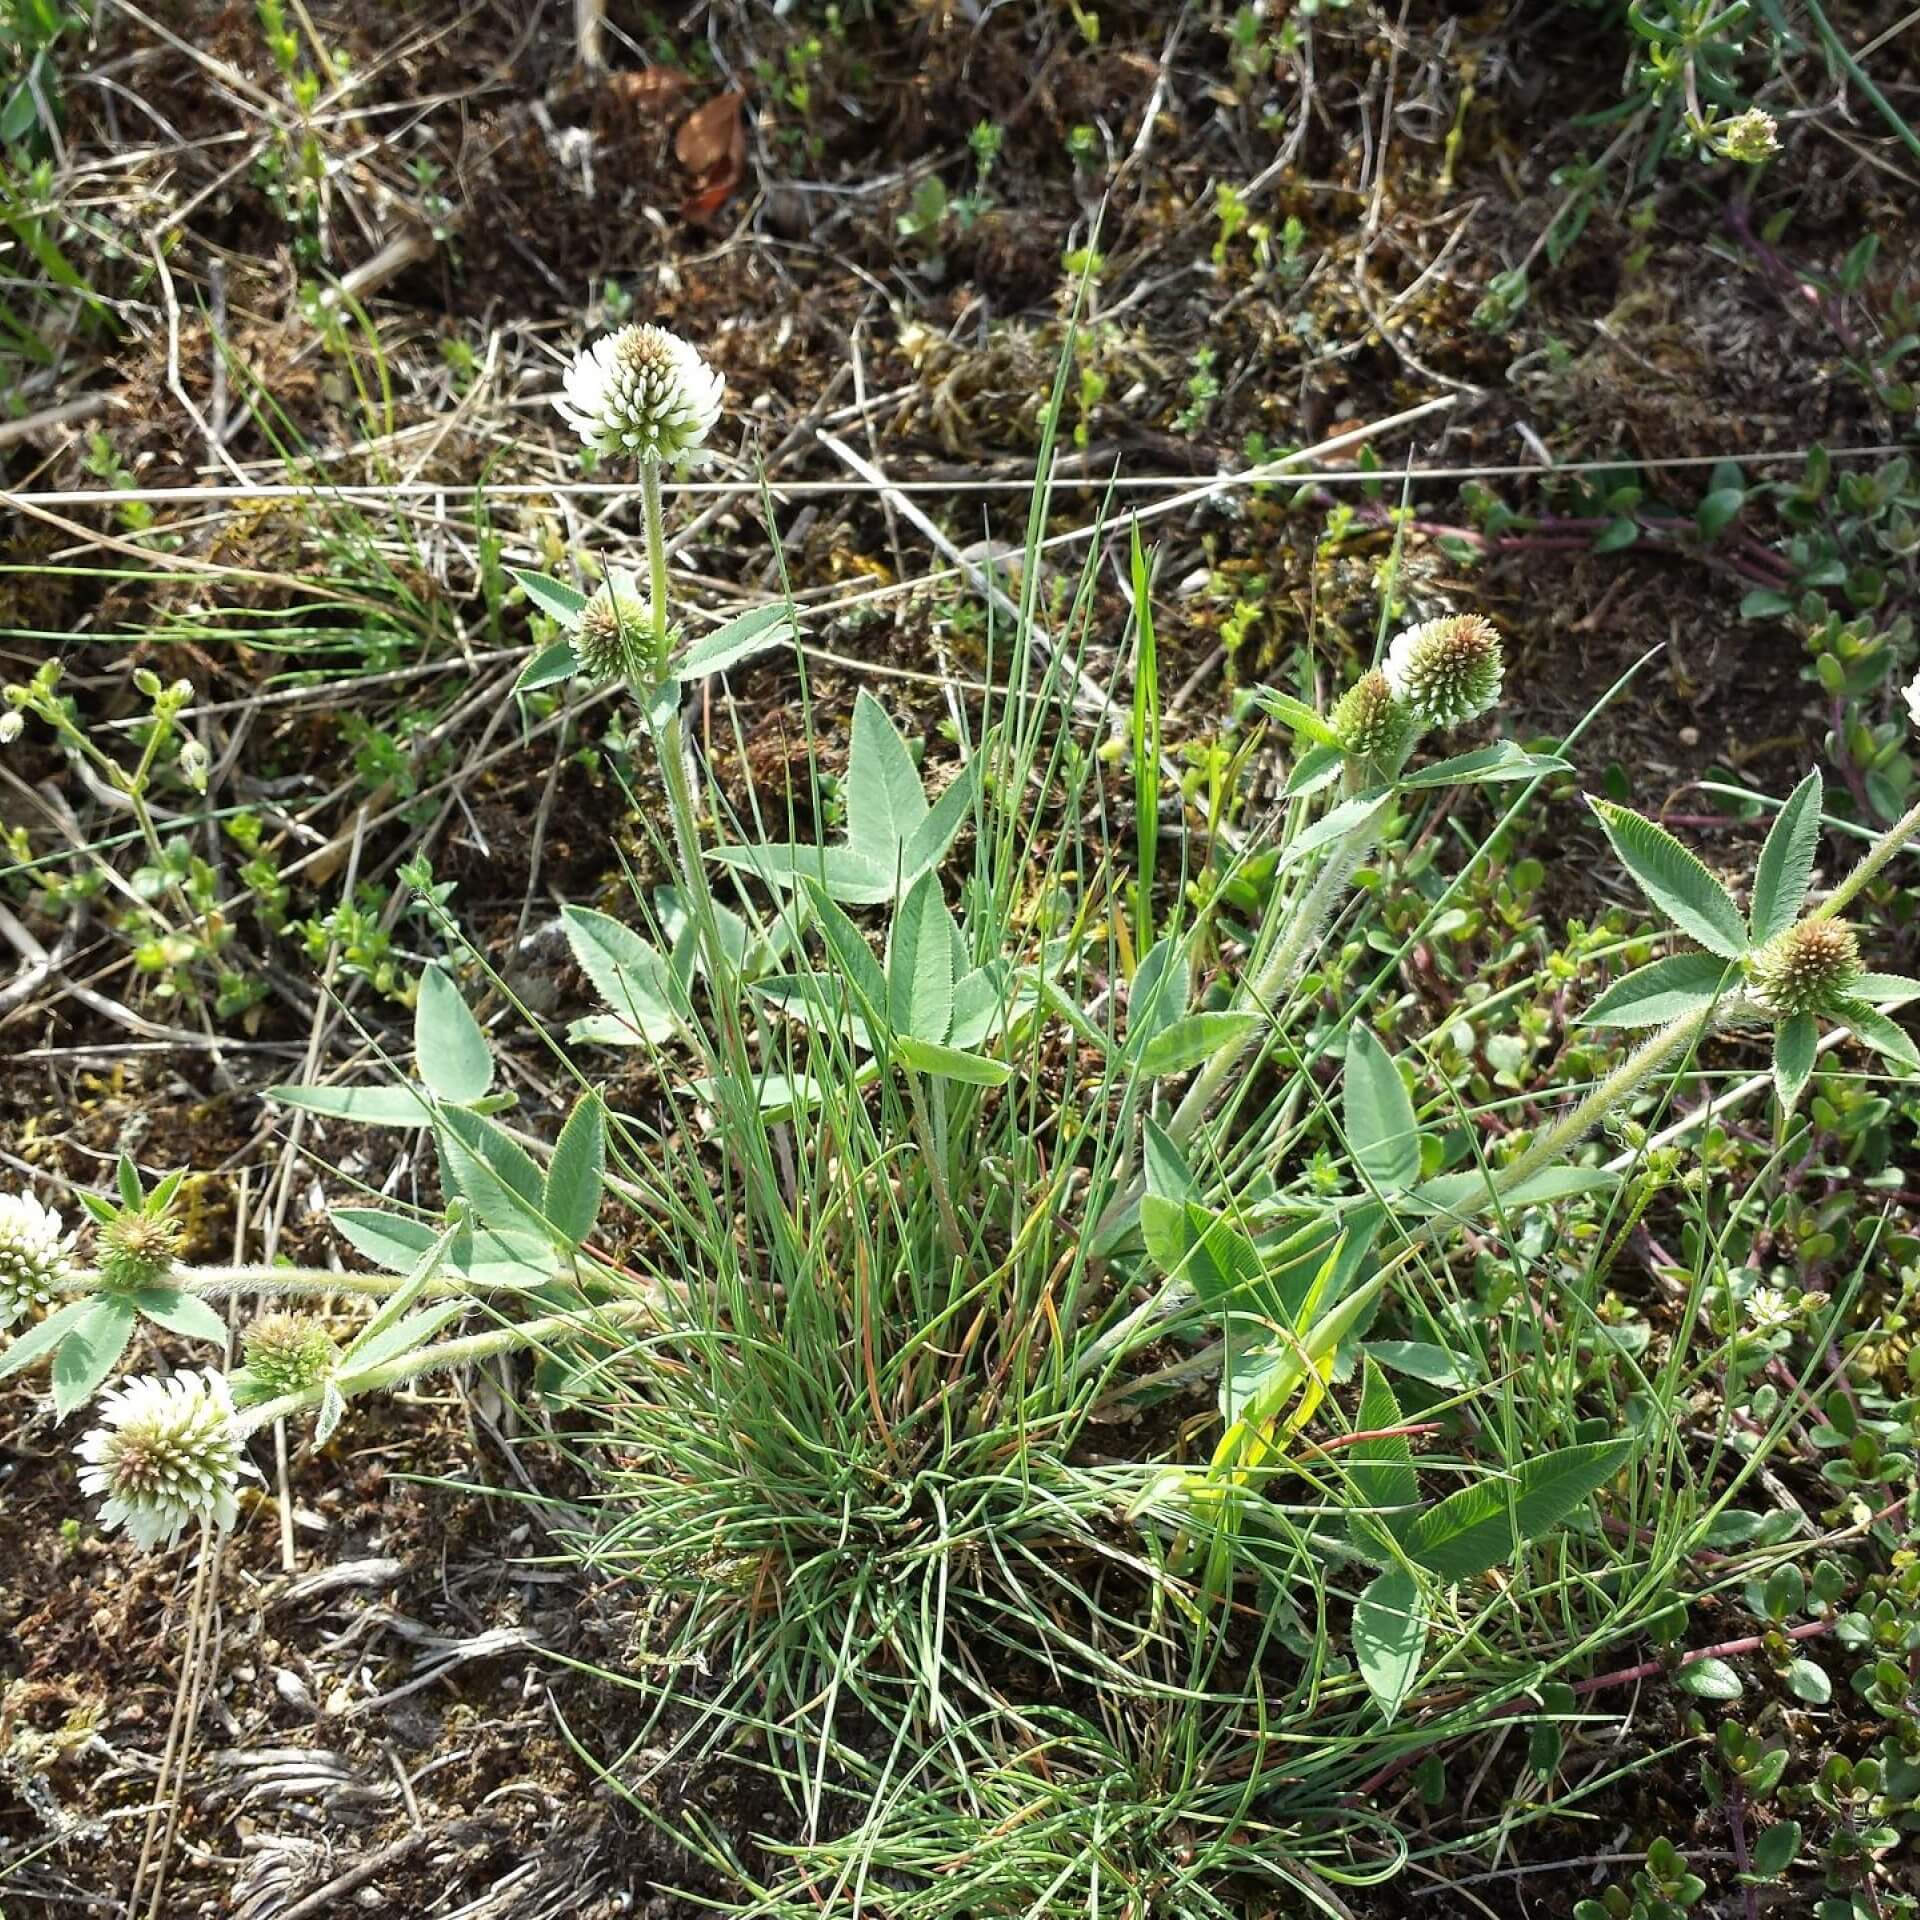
{"type": "Point", "coordinates": [167, 1452]}
{"type": "Point", "coordinates": [34, 1258]}
{"type": "Point", "coordinates": [1372, 721]}
{"type": "Point", "coordinates": [1802, 969]}
{"type": "Point", "coordinates": [285, 1353]}
{"type": "Point", "coordinates": [1447, 671]}
{"type": "Point", "coordinates": [643, 392]}
{"type": "Point", "coordinates": [614, 637]}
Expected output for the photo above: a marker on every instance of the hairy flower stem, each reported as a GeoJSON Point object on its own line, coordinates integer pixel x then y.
{"type": "Point", "coordinates": [221, 1283]}
{"type": "Point", "coordinates": [653, 515]}
{"type": "Point", "coordinates": [1559, 1140]}
{"type": "Point", "coordinates": [1274, 977]}
{"type": "Point", "coordinates": [1876, 857]}
{"type": "Point", "coordinates": [435, 1359]}
{"type": "Point", "coordinates": [1566, 1133]}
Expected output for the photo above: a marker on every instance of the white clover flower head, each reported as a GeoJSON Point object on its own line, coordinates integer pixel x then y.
{"type": "Point", "coordinates": [643, 392]}
{"type": "Point", "coordinates": [1805, 968]}
{"type": "Point", "coordinates": [34, 1256]}
{"type": "Point", "coordinates": [1447, 671]}
{"type": "Point", "coordinates": [1749, 137]}
{"type": "Point", "coordinates": [1911, 694]}
{"type": "Point", "coordinates": [614, 638]}
{"type": "Point", "coordinates": [166, 1452]}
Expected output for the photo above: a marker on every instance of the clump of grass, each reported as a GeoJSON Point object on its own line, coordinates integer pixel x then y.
{"type": "Point", "coordinates": [1083, 1416]}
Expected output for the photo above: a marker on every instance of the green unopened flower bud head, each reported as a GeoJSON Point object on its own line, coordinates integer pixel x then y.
{"type": "Point", "coordinates": [35, 1258]}
{"type": "Point", "coordinates": [137, 1249]}
{"type": "Point", "coordinates": [1373, 722]}
{"type": "Point", "coordinates": [285, 1353]}
{"type": "Point", "coordinates": [1805, 968]}
{"type": "Point", "coordinates": [1447, 672]}
{"type": "Point", "coordinates": [614, 639]}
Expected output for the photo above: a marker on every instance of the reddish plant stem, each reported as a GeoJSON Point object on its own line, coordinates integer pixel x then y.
{"type": "Point", "coordinates": [1600, 1683]}
{"type": "Point", "coordinates": [1408, 1432]}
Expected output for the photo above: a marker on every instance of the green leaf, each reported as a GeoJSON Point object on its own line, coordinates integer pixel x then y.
{"type": "Point", "coordinates": [1872, 1028]}
{"type": "Point", "coordinates": [949, 1063]}
{"type": "Point", "coordinates": [1775, 1850]}
{"type": "Point", "coordinates": [333, 1409]}
{"type": "Point", "coordinates": [751, 632]}
{"type": "Point", "coordinates": [1619, 533]}
{"type": "Point", "coordinates": [1487, 766]}
{"type": "Point", "coordinates": [127, 1177]}
{"type": "Point", "coordinates": [1718, 511]}
{"type": "Point", "coordinates": [89, 1352]}
{"type": "Point", "coordinates": [1166, 1169]}
{"type": "Point", "coordinates": [885, 802]}
{"type": "Point", "coordinates": [1423, 1361]}
{"type": "Point", "coordinates": [548, 667]}
{"type": "Point", "coordinates": [1709, 1680]}
{"type": "Point", "coordinates": [1355, 816]}
{"type": "Point", "coordinates": [920, 946]}
{"type": "Point", "coordinates": [1316, 768]}
{"type": "Point", "coordinates": [1382, 1133]}
{"type": "Point", "coordinates": [1651, 996]}
{"type": "Point", "coordinates": [491, 1170]}
{"type": "Point", "coordinates": [854, 960]}
{"type": "Point", "coordinates": [1675, 880]}
{"type": "Point", "coordinates": [37, 1340]}
{"type": "Point", "coordinates": [1193, 1038]}
{"type": "Point", "coordinates": [180, 1312]}
{"type": "Point", "coordinates": [1161, 987]}
{"type": "Point", "coordinates": [407, 1106]}
{"type": "Point", "coordinates": [1786, 861]}
{"type": "Point", "coordinates": [449, 1046]}
{"type": "Point", "coordinates": [627, 972]}
{"type": "Point", "coordinates": [1795, 1042]}
{"type": "Point", "coordinates": [1885, 989]}
{"type": "Point", "coordinates": [1485, 1524]}
{"type": "Point", "coordinates": [553, 597]}
{"type": "Point", "coordinates": [1380, 1471]}
{"type": "Point", "coordinates": [984, 1001]}
{"type": "Point", "coordinates": [576, 1176]}
{"type": "Point", "coordinates": [489, 1256]}
{"type": "Point", "coordinates": [1809, 1682]}
{"type": "Point", "coordinates": [928, 843]}
{"type": "Point", "coordinates": [1468, 1193]}
{"type": "Point", "coordinates": [1298, 716]}
{"type": "Point", "coordinates": [1389, 1636]}
{"type": "Point", "coordinates": [842, 872]}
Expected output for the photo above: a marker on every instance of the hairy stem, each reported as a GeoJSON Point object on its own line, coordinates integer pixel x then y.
{"type": "Point", "coordinates": [449, 1353]}
{"type": "Point", "coordinates": [1875, 857]}
{"type": "Point", "coordinates": [1274, 977]}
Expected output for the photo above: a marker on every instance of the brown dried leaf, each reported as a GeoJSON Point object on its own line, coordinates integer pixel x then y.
{"type": "Point", "coordinates": [711, 137]}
